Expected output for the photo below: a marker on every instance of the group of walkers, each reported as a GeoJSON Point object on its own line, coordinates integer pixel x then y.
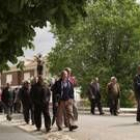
{"type": "Point", "coordinates": [9, 100]}
{"type": "Point", "coordinates": [113, 94]}
{"type": "Point", "coordinates": [35, 98]}
{"type": "Point", "coordinates": [113, 91]}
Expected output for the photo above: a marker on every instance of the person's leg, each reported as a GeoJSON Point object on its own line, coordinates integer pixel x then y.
{"type": "Point", "coordinates": [138, 111]}
{"type": "Point", "coordinates": [54, 113]}
{"type": "Point", "coordinates": [26, 113]}
{"type": "Point", "coordinates": [32, 115]}
{"type": "Point", "coordinates": [75, 112]}
{"type": "Point", "coordinates": [70, 115]}
{"type": "Point", "coordinates": [9, 113]}
{"type": "Point", "coordinates": [15, 110]}
{"type": "Point", "coordinates": [18, 107]}
{"type": "Point", "coordinates": [59, 116]}
{"type": "Point", "coordinates": [66, 123]}
{"type": "Point", "coordinates": [10, 108]}
{"type": "Point", "coordinates": [37, 117]}
{"type": "Point", "coordinates": [111, 106]}
{"type": "Point", "coordinates": [99, 106]}
{"type": "Point", "coordinates": [5, 107]}
{"type": "Point", "coordinates": [115, 106]}
{"type": "Point", "coordinates": [47, 118]}
{"type": "Point", "coordinates": [93, 106]}
{"type": "Point", "coordinates": [118, 107]}
{"type": "Point", "coordinates": [1, 107]}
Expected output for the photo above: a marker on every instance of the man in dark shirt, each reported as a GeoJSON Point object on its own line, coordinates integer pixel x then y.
{"type": "Point", "coordinates": [137, 92]}
{"type": "Point", "coordinates": [26, 102]}
{"type": "Point", "coordinates": [95, 96]}
{"type": "Point", "coordinates": [64, 99]}
{"type": "Point", "coordinates": [7, 99]}
{"type": "Point", "coordinates": [40, 96]}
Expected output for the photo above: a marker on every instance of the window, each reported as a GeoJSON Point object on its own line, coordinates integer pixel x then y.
{"type": "Point", "coordinates": [26, 76]}
{"type": "Point", "coordinates": [9, 78]}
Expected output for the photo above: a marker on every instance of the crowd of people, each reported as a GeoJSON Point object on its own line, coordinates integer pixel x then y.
{"type": "Point", "coordinates": [94, 94]}
{"type": "Point", "coordinates": [113, 94]}
{"type": "Point", "coordinates": [33, 100]}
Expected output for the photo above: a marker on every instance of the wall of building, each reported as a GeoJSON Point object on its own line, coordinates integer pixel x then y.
{"type": "Point", "coordinates": [16, 77]}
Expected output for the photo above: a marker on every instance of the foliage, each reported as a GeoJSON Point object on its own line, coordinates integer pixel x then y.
{"type": "Point", "coordinates": [105, 44]}
{"type": "Point", "coordinates": [18, 19]}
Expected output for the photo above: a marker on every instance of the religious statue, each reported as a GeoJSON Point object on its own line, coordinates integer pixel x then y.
{"type": "Point", "coordinates": [40, 63]}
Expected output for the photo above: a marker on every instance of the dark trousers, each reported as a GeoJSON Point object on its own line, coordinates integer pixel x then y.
{"type": "Point", "coordinates": [94, 103]}
{"type": "Point", "coordinates": [113, 104]}
{"type": "Point", "coordinates": [1, 107]}
{"type": "Point", "coordinates": [8, 108]}
{"type": "Point", "coordinates": [38, 110]}
{"type": "Point", "coordinates": [17, 107]}
{"type": "Point", "coordinates": [28, 113]}
{"type": "Point", "coordinates": [138, 110]}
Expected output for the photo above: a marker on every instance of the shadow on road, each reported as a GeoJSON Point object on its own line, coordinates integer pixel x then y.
{"type": "Point", "coordinates": [126, 125]}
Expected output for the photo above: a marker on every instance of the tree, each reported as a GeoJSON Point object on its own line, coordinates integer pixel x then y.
{"type": "Point", "coordinates": [18, 18]}
{"type": "Point", "coordinates": [105, 44]}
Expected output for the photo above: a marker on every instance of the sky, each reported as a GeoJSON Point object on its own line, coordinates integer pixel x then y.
{"type": "Point", "coordinates": [43, 42]}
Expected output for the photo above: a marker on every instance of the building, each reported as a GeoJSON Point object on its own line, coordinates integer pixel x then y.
{"type": "Point", "coordinates": [15, 76]}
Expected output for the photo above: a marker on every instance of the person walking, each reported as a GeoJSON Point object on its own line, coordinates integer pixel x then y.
{"type": "Point", "coordinates": [7, 99]}
{"type": "Point", "coordinates": [1, 104]}
{"type": "Point", "coordinates": [64, 93]}
{"type": "Point", "coordinates": [17, 102]}
{"type": "Point", "coordinates": [27, 103]}
{"type": "Point", "coordinates": [95, 96]}
{"type": "Point", "coordinates": [113, 90]}
{"type": "Point", "coordinates": [40, 95]}
{"type": "Point", "coordinates": [73, 80]}
{"type": "Point", "coordinates": [137, 92]}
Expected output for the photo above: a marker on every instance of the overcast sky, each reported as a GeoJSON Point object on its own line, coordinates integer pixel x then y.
{"type": "Point", "coordinates": [43, 42]}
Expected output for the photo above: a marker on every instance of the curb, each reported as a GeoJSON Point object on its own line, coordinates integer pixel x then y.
{"type": "Point", "coordinates": [105, 109]}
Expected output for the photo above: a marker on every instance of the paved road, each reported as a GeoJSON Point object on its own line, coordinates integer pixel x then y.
{"type": "Point", "coordinates": [12, 133]}
{"type": "Point", "coordinates": [123, 127]}
{"type": "Point", "coordinates": [107, 127]}
{"type": "Point", "coordinates": [14, 127]}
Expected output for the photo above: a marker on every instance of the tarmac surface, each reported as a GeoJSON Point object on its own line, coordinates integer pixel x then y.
{"type": "Point", "coordinates": [13, 133]}
{"type": "Point", "coordinates": [91, 127]}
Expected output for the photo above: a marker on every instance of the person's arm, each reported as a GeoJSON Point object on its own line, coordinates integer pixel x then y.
{"type": "Point", "coordinates": [108, 87]}
{"type": "Point", "coordinates": [119, 91]}
{"type": "Point", "coordinates": [90, 92]}
{"type": "Point", "coordinates": [135, 86]}
{"type": "Point", "coordinates": [32, 95]}
{"type": "Point", "coordinates": [48, 95]}
{"type": "Point", "coordinates": [137, 82]}
{"type": "Point", "coordinates": [54, 93]}
{"type": "Point", "coordinates": [72, 91]}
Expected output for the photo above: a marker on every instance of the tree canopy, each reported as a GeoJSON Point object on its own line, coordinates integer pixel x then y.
{"type": "Point", "coordinates": [18, 18]}
{"type": "Point", "coordinates": [105, 44]}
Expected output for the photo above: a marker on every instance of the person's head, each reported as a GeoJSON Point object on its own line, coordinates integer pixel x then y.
{"type": "Point", "coordinates": [64, 75]}
{"type": "Point", "coordinates": [139, 69]}
{"type": "Point", "coordinates": [33, 81]}
{"type": "Point", "coordinates": [69, 71]}
{"type": "Point", "coordinates": [113, 79]}
{"type": "Point", "coordinates": [27, 84]}
{"type": "Point", "coordinates": [16, 89]}
{"type": "Point", "coordinates": [92, 81]}
{"type": "Point", "coordinates": [22, 83]}
{"type": "Point", "coordinates": [97, 80]}
{"type": "Point", "coordinates": [7, 85]}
